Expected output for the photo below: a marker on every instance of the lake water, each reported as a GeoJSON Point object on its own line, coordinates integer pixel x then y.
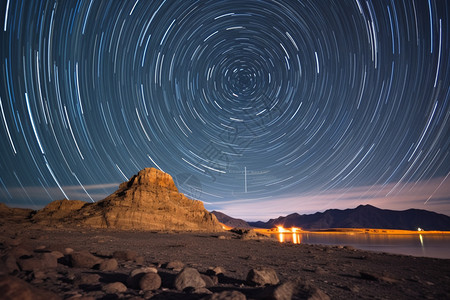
{"type": "Point", "coordinates": [429, 245]}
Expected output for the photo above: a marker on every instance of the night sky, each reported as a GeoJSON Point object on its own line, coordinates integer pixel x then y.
{"type": "Point", "coordinates": [257, 108]}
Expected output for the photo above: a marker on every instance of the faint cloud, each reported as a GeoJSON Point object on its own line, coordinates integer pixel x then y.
{"type": "Point", "coordinates": [36, 196]}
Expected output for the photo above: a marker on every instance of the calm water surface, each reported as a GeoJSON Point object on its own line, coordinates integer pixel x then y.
{"type": "Point", "coordinates": [429, 245]}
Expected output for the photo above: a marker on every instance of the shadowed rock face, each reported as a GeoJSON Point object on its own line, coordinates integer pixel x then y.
{"type": "Point", "coordinates": [148, 201]}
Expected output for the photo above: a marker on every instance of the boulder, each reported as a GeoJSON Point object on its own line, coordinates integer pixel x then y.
{"type": "Point", "coordinates": [139, 260]}
{"type": "Point", "coordinates": [216, 271]}
{"type": "Point", "coordinates": [40, 261]}
{"type": "Point", "coordinates": [13, 288]}
{"type": "Point", "coordinates": [189, 277]}
{"type": "Point", "coordinates": [84, 259]}
{"type": "Point", "coordinates": [57, 254]}
{"type": "Point", "coordinates": [262, 276]}
{"type": "Point", "coordinates": [296, 289]}
{"type": "Point", "coordinates": [136, 275]}
{"type": "Point", "coordinates": [8, 264]}
{"type": "Point", "coordinates": [114, 288]}
{"type": "Point", "coordinates": [49, 260]}
{"type": "Point", "coordinates": [150, 282]}
{"type": "Point", "coordinates": [210, 281]}
{"type": "Point", "coordinates": [175, 265]}
{"type": "Point", "coordinates": [21, 251]}
{"type": "Point", "coordinates": [127, 255]}
{"type": "Point", "coordinates": [108, 265]}
{"type": "Point", "coordinates": [248, 234]}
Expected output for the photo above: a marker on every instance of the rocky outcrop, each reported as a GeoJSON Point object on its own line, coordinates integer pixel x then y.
{"type": "Point", "coordinates": [4, 209]}
{"type": "Point", "coordinates": [57, 210]}
{"type": "Point", "coordinates": [13, 215]}
{"type": "Point", "coordinates": [148, 201]}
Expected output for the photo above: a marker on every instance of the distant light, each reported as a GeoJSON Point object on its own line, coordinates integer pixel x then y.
{"type": "Point", "coordinates": [420, 229]}
{"type": "Point", "coordinates": [281, 229]}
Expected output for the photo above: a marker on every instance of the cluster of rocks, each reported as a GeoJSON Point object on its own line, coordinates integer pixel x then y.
{"type": "Point", "coordinates": [43, 273]}
{"type": "Point", "coordinates": [248, 234]}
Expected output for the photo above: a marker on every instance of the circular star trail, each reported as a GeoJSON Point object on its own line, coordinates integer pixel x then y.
{"type": "Point", "coordinates": [250, 101]}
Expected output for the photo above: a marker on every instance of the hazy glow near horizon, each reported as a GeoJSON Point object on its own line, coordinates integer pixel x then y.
{"type": "Point", "coordinates": [257, 108]}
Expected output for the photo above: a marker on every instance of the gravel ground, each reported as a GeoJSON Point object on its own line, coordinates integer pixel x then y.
{"type": "Point", "coordinates": [339, 272]}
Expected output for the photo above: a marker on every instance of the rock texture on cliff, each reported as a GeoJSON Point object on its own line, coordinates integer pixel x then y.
{"type": "Point", "coordinates": [148, 201]}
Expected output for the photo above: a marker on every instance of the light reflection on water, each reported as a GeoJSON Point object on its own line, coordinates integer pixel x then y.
{"type": "Point", "coordinates": [429, 245]}
{"type": "Point", "coordinates": [295, 238]}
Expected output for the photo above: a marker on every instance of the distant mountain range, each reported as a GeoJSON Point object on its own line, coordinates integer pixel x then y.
{"type": "Point", "coordinates": [229, 221]}
{"type": "Point", "coordinates": [363, 216]}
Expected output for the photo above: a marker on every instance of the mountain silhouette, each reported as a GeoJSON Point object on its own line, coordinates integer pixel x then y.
{"type": "Point", "coordinates": [230, 221]}
{"type": "Point", "coordinates": [363, 216]}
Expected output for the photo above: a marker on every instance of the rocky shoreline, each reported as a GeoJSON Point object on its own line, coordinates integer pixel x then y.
{"type": "Point", "coordinates": [39, 262]}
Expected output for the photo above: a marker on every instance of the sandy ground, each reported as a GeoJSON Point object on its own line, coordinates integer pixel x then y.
{"type": "Point", "coordinates": [340, 272]}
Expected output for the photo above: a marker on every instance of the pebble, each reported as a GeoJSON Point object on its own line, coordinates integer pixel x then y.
{"type": "Point", "coordinates": [68, 250]}
{"type": "Point", "coordinates": [57, 254]}
{"type": "Point", "coordinates": [127, 255]}
{"type": "Point", "coordinates": [175, 265]}
{"type": "Point", "coordinates": [39, 275]}
{"type": "Point", "coordinates": [215, 271]}
{"type": "Point", "coordinates": [114, 288]}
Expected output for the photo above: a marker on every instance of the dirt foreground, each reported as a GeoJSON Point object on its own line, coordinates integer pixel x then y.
{"type": "Point", "coordinates": [56, 263]}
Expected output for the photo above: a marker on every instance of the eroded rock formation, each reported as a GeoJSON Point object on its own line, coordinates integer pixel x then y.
{"type": "Point", "coordinates": [148, 201]}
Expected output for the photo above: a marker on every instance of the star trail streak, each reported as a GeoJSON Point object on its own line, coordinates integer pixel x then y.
{"type": "Point", "coordinates": [276, 106]}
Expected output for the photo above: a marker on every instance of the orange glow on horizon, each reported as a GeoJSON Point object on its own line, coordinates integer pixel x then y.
{"type": "Point", "coordinates": [284, 234]}
{"type": "Point", "coordinates": [281, 229]}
